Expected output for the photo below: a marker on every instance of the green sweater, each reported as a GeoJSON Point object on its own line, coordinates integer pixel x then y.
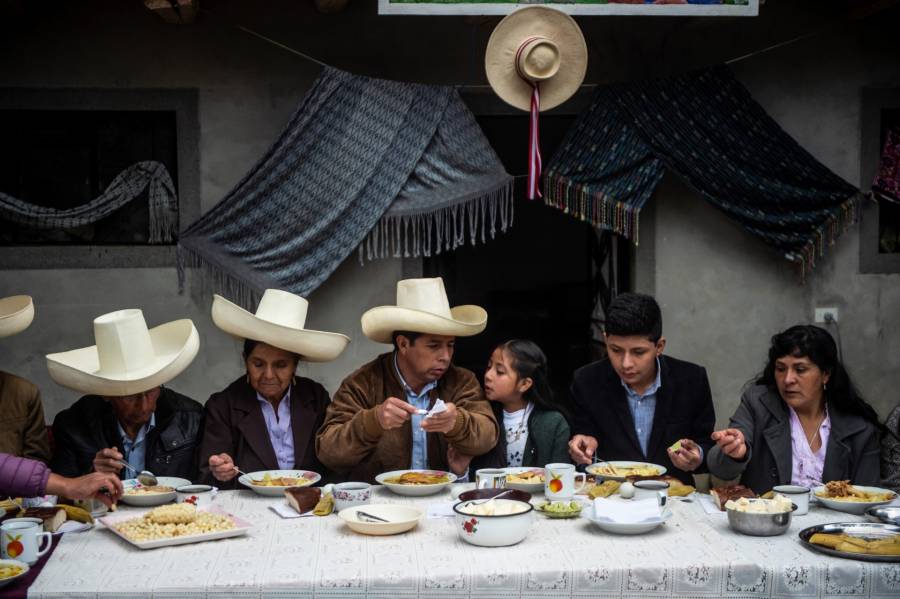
{"type": "Point", "coordinates": [547, 443]}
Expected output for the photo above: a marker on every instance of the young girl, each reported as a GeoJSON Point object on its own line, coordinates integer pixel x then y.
{"type": "Point", "coordinates": [534, 431]}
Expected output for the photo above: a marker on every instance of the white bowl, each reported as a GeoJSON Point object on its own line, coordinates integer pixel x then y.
{"type": "Point", "coordinates": [12, 562]}
{"type": "Point", "coordinates": [414, 490]}
{"type": "Point", "coordinates": [273, 491]}
{"type": "Point", "coordinates": [152, 499]}
{"type": "Point", "coordinates": [622, 528]}
{"type": "Point", "coordinates": [494, 531]}
{"type": "Point", "coordinates": [595, 469]}
{"type": "Point", "coordinates": [853, 507]}
{"type": "Point", "coordinates": [533, 488]}
{"type": "Point", "coordinates": [400, 518]}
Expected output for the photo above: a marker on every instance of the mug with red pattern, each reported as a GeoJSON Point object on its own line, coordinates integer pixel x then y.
{"type": "Point", "coordinates": [197, 495]}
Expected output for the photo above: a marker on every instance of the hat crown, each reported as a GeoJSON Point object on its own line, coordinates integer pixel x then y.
{"type": "Point", "coordinates": [427, 295]}
{"type": "Point", "coordinates": [537, 59]}
{"type": "Point", "coordinates": [283, 308]}
{"type": "Point", "coordinates": [123, 341]}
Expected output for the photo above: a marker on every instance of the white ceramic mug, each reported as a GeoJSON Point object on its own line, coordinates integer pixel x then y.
{"type": "Point", "coordinates": [20, 538]}
{"type": "Point", "coordinates": [652, 488]}
{"type": "Point", "coordinates": [197, 495]}
{"type": "Point", "coordinates": [798, 495]}
{"type": "Point", "coordinates": [490, 478]}
{"type": "Point", "coordinates": [559, 481]}
{"type": "Point", "coordinates": [350, 494]}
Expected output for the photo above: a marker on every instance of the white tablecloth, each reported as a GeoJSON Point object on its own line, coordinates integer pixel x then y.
{"type": "Point", "coordinates": [694, 554]}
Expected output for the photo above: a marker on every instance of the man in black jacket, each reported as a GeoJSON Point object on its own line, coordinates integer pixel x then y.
{"type": "Point", "coordinates": [640, 405]}
{"type": "Point", "coordinates": [156, 430]}
{"type": "Point", "coordinates": [127, 415]}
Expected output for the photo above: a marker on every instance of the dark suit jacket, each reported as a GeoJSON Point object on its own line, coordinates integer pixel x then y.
{"type": "Point", "coordinates": [852, 452]}
{"type": "Point", "coordinates": [90, 425]}
{"type": "Point", "coordinates": [235, 425]}
{"type": "Point", "coordinates": [684, 409]}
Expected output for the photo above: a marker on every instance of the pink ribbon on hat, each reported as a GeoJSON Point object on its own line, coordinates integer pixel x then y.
{"type": "Point", "coordinates": [534, 149]}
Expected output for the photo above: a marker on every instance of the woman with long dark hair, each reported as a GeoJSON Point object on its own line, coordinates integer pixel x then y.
{"type": "Point", "coordinates": [802, 421]}
{"type": "Point", "coordinates": [534, 429]}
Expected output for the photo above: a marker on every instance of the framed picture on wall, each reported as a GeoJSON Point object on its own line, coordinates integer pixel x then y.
{"type": "Point", "coordinates": [646, 8]}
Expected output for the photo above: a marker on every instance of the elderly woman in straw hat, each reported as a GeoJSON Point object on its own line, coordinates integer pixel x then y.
{"type": "Point", "coordinates": [376, 421]}
{"type": "Point", "coordinates": [267, 418]}
{"type": "Point", "coordinates": [127, 416]}
{"type": "Point", "coordinates": [23, 432]}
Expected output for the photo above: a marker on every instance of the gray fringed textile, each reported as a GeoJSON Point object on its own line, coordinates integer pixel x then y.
{"type": "Point", "coordinates": [128, 185]}
{"type": "Point", "coordinates": [394, 169]}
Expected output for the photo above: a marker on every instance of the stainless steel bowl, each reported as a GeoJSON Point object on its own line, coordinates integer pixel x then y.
{"type": "Point", "coordinates": [889, 514]}
{"type": "Point", "coordinates": [760, 525]}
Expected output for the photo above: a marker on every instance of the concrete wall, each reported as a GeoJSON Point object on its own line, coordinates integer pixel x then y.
{"type": "Point", "coordinates": [723, 293]}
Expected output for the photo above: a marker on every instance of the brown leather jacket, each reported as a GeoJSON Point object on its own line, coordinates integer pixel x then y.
{"type": "Point", "coordinates": [23, 431]}
{"type": "Point", "coordinates": [352, 441]}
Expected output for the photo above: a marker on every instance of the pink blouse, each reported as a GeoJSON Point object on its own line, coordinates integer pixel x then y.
{"type": "Point", "coordinates": [806, 465]}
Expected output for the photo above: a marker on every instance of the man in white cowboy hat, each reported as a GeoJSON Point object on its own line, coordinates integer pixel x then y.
{"type": "Point", "coordinates": [268, 417]}
{"type": "Point", "coordinates": [23, 431]}
{"type": "Point", "coordinates": [376, 422]}
{"type": "Point", "coordinates": [128, 415]}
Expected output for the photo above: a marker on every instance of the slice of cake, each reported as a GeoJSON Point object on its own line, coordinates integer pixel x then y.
{"type": "Point", "coordinates": [303, 499]}
{"type": "Point", "coordinates": [722, 495]}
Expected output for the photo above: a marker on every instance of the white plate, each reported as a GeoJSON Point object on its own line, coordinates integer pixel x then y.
{"type": "Point", "coordinates": [241, 527]}
{"type": "Point", "coordinates": [401, 518]}
{"type": "Point", "coordinates": [270, 491]}
{"type": "Point", "coordinates": [620, 528]}
{"type": "Point", "coordinates": [11, 562]}
{"type": "Point", "coordinates": [154, 498]}
{"type": "Point", "coordinates": [595, 469]}
{"type": "Point", "coordinates": [853, 507]}
{"type": "Point", "coordinates": [532, 488]}
{"type": "Point", "coordinates": [414, 490]}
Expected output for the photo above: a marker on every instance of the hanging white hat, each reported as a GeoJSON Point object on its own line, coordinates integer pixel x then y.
{"type": "Point", "coordinates": [423, 307]}
{"type": "Point", "coordinates": [279, 321]}
{"type": "Point", "coordinates": [536, 44]}
{"type": "Point", "coordinates": [128, 357]}
{"type": "Point", "coordinates": [16, 313]}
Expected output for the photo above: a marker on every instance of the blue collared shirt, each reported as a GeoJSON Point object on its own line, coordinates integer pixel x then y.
{"type": "Point", "coordinates": [281, 434]}
{"type": "Point", "coordinates": [643, 407]}
{"type": "Point", "coordinates": [418, 400]}
{"type": "Point", "coordinates": [135, 452]}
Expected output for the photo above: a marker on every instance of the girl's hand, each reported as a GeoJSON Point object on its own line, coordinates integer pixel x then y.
{"type": "Point", "coordinates": [458, 462]}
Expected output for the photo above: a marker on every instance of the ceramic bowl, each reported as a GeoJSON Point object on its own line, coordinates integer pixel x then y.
{"type": "Point", "coordinates": [400, 518]}
{"type": "Point", "coordinates": [627, 528]}
{"type": "Point", "coordinates": [488, 493]}
{"type": "Point", "coordinates": [497, 530]}
{"type": "Point", "coordinates": [572, 509]}
{"type": "Point", "coordinates": [248, 480]}
{"type": "Point", "coordinates": [852, 507]}
{"type": "Point", "coordinates": [414, 490]}
{"type": "Point", "coordinates": [533, 488]}
{"type": "Point", "coordinates": [151, 499]}
{"type": "Point", "coordinates": [12, 562]}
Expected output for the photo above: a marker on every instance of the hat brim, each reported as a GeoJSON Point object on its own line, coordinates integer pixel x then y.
{"type": "Point", "coordinates": [500, 56]}
{"type": "Point", "coordinates": [16, 314]}
{"type": "Point", "coordinates": [175, 344]}
{"type": "Point", "coordinates": [313, 346]}
{"type": "Point", "coordinates": [378, 324]}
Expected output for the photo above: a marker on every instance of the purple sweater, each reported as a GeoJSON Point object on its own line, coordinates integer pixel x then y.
{"type": "Point", "coordinates": [21, 477]}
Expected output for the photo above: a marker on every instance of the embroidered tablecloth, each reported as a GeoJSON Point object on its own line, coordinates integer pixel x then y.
{"type": "Point", "coordinates": [694, 555]}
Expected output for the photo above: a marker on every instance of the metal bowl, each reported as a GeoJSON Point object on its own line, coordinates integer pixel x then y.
{"type": "Point", "coordinates": [889, 514]}
{"type": "Point", "coordinates": [759, 524]}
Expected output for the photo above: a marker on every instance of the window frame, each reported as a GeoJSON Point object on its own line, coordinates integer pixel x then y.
{"type": "Point", "coordinates": [873, 102]}
{"type": "Point", "coordinates": [184, 103]}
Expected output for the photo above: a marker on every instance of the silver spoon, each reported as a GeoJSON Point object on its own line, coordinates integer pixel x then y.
{"type": "Point", "coordinates": [490, 499]}
{"type": "Point", "coordinates": [145, 477]}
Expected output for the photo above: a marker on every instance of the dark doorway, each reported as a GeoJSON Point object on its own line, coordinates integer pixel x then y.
{"type": "Point", "coordinates": [539, 280]}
